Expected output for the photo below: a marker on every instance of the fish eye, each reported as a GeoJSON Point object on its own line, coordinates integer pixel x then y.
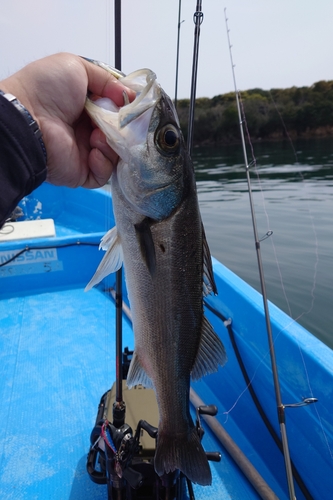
{"type": "Point", "coordinates": [168, 139]}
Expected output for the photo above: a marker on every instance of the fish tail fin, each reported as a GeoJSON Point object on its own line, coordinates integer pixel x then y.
{"type": "Point", "coordinates": [183, 452]}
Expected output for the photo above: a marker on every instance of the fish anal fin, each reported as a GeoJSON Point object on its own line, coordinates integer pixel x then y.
{"type": "Point", "coordinates": [183, 452]}
{"type": "Point", "coordinates": [112, 260]}
{"type": "Point", "coordinates": [137, 375]}
{"type": "Point", "coordinates": [211, 352]}
{"type": "Point", "coordinates": [146, 244]}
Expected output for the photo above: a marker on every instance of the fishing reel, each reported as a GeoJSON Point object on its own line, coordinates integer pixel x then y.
{"type": "Point", "coordinates": [124, 460]}
{"type": "Point", "coordinates": [115, 449]}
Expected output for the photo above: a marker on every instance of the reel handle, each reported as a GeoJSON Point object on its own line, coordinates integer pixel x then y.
{"type": "Point", "coordinates": [213, 456]}
{"type": "Point", "coordinates": [210, 410]}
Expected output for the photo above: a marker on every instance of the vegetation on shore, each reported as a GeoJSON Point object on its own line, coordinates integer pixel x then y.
{"type": "Point", "coordinates": [300, 112]}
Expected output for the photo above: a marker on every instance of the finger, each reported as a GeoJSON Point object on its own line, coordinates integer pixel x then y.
{"type": "Point", "coordinates": [98, 140]}
{"type": "Point", "coordinates": [100, 169]}
{"type": "Point", "coordinates": [102, 83]}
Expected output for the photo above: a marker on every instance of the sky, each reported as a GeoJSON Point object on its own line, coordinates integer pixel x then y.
{"type": "Point", "coordinates": [275, 44]}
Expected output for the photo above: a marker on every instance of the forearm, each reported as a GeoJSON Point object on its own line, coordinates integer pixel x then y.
{"type": "Point", "coordinates": [22, 161]}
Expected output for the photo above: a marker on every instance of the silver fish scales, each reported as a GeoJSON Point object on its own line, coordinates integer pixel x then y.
{"type": "Point", "coordinates": [160, 238]}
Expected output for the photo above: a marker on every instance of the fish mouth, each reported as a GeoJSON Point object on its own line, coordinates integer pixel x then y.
{"type": "Point", "coordinates": [126, 126]}
{"type": "Point", "coordinates": [148, 92]}
{"type": "Point", "coordinates": [143, 82]}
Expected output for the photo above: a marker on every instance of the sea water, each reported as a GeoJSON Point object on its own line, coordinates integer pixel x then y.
{"type": "Point", "coordinates": [292, 187]}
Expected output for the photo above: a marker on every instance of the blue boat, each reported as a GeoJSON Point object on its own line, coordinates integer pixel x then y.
{"type": "Point", "coordinates": [57, 359]}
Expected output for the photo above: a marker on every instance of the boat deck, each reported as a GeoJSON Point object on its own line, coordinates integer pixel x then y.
{"type": "Point", "coordinates": [51, 384]}
{"type": "Point", "coordinates": [57, 358]}
{"type": "Point", "coordinates": [52, 381]}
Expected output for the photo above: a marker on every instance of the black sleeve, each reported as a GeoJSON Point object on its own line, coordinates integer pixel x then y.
{"type": "Point", "coordinates": [22, 161]}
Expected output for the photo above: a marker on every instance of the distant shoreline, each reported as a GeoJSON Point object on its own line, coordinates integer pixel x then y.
{"type": "Point", "coordinates": [319, 133]}
{"type": "Point", "coordinates": [271, 115]}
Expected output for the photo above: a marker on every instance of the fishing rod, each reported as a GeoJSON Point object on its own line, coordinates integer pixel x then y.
{"type": "Point", "coordinates": [280, 405]}
{"type": "Point", "coordinates": [177, 57]}
{"type": "Point", "coordinates": [197, 19]}
{"type": "Point", "coordinates": [119, 405]}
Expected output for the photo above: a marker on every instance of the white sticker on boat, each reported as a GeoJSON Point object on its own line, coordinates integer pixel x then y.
{"type": "Point", "coordinates": [33, 261]}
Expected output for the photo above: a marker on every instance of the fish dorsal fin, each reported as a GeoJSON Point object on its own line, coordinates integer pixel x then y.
{"type": "Point", "coordinates": [146, 243]}
{"type": "Point", "coordinates": [211, 352]}
{"type": "Point", "coordinates": [208, 285]}
{"type": "Point", "coordinates": [112, 260]}
{"type": "Point", "coordinates": [137, 375]}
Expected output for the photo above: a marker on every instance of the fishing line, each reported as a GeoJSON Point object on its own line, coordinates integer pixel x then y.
{"type": "Point", "coordinates": [243, 124]}
{"type": "Point", "coordinates": [284, 126]}
{"type": "Point", "coordinates": [314, 277]}
{"type": "Point", "coordinates": [267, 216]}
{"type": "Point", "coordinates": [310, 217]}
{"type": "Point", "coordinates": [294, 320]}
{"type": "Point", "coordinates": [46, 247]}
{"type": "Point", "coordinates": [254, 163]}
{"type": "Point", "coordinates": [280, 406]}
{"type": "Point", "coordinates": [7, 228]}
{"type": "Point", "coordinates": [228, 325]}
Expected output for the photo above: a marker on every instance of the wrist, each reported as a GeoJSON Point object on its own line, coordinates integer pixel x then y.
{"type": "Point", "coordinates": [31, 122]}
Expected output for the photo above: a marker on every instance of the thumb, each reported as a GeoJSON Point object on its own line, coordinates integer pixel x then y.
{"type": "Point", "coordinates": [104, 84]}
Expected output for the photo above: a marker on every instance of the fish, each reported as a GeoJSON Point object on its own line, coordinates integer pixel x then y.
{"type": "Point", "coordinates": [160, 240]}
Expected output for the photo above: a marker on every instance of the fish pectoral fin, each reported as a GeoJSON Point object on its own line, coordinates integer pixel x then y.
{"type": "Point", "coordinates": [146, 243]}
{"type": "Point", "coordinates": [137, 375]}
{"type": "Point", "coordinates": [208, 284]}
{"type": "Point", "coordinates": [211, 352]}
{"type": "Point", "coordinates": [112, 260]}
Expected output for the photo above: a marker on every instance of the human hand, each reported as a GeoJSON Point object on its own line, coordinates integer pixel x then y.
{"type": "Point", "coordinates": [54, 90]}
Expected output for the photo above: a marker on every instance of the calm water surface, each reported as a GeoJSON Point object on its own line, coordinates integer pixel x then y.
{"type": "Point", "coordinates": [293, 196]}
